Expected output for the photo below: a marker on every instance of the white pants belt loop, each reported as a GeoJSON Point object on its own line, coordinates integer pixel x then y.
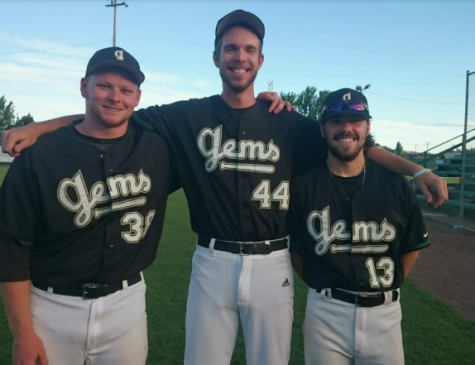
{"type": "Point", "coordinates": [211, 246]}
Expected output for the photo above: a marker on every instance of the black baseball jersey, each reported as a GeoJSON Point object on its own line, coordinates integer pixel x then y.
{"type": "Point", "coordinates": [352, 231]}
{"type": "Point", "coordinates": [71, 213]}
{"type": "Point", "coordinates": [235, 165]}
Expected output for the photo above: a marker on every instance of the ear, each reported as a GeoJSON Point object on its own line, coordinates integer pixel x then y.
{"type": "Point", "coordinates": [261, 61]}
{"type": "Point", "coordinates": [139, 95]}
{"type": "Point", "coordinates": [216, 59]}
{"type": "Point", "coordinates": [322, 131]}
{"type": "Point", "coordinates": [369, 128]}
{"type": "Point", "coordinates": [83, 88]}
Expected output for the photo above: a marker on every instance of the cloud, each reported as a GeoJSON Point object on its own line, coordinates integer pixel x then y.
{"type": "Point", "coordinates": [45, 81]}
{"type": "Point", "coordinates": [35, 46]}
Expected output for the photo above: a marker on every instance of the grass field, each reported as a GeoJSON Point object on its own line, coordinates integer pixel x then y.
{"type": "Point", "coordinates": [3, 171]}
{"type": "Point", "coordinates": [433, 333]}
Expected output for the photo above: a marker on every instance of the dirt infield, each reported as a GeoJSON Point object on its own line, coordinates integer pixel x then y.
{"type": "Point", "coordinates": [446, 268]}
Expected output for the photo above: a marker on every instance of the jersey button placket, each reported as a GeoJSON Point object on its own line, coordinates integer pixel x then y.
{"type": "Point", "coordinates": [245, 183]}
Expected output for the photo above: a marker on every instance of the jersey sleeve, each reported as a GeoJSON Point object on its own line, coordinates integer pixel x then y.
{"type": "Point", "coordinates": [415, 237]}
{"type": "Point", "coordinates": [151, 118]}
{"type": "Point", "coordinates": [18, 212]}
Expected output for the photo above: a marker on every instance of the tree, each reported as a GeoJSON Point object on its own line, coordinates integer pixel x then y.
{"type": "Point", "coordinates": [384, 147]}
{"type": "Point", "coordinates": [399, 149]}
{"type": "Point", "coordinates": [308, 102]}
{"type": "Point", "coordinates": [7, 114]}
{"type": "Point", "coordinates": [24, 120]}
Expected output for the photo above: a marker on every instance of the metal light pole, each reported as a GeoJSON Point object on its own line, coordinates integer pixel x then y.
{"type": "Point", "coordinates": [115, 5]}
{"type": "Point", "coordinates": [464, 147]}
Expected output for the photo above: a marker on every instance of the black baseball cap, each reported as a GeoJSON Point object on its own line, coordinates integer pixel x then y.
{"type": "Point", "coordinates": [240, 18]}
{"type": "Point", "coordinates": [345, 102]}
{"type": "Point", "coordinates": [118, 58]}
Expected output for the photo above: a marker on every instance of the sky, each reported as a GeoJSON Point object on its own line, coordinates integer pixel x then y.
{"type": "Point", "coordinates": [414, 54]}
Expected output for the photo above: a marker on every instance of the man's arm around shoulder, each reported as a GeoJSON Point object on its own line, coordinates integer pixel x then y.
{"type": "Point", "coordinates": [432, 186]}
{"type": "Point", "coordinates": [16, 140]}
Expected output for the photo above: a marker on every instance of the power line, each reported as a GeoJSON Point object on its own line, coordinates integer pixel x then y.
{"type": "Point", "coordinates": [50, 49]}
{"type": "Point", "coordinates": [414, 100]}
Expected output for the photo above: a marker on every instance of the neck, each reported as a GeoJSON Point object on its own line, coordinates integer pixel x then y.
{"type": "Point", "coordinates": [346, 169]}
{"type": "Point", "coordinates": [91, 129]}
{"type": "Point", "coordinates": [238, 100]}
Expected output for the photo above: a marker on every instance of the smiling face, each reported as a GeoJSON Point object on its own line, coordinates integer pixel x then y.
{"type": "Point", "coordinates": [238, 58]}
{"type": "Point", "coordinates": [110, 101]}
{"type": "Point", "coordinates": [345, 136]}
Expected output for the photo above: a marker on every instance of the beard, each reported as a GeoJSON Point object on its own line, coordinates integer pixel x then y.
{"type": "Point", "coordinates": [346, 156]}
{"type": "Point", "coordinates": [237, 88]}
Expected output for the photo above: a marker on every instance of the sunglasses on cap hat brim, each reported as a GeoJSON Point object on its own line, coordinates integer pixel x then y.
{"type": "Point", "coordinates": [346, 105]}
{"type": "Point", "coordinates": [356, 109]}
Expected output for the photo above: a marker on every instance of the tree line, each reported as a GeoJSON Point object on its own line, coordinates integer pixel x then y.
{"type": "Point", "coordinates": [8, 119]}
{"type": "Point", "coordinates": [309, 102]}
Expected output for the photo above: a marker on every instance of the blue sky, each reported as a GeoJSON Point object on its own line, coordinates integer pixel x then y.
{"type": "Point", "coordinates": [415, 54]}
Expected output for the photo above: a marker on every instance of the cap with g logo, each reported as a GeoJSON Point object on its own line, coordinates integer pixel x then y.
{"type": "Point", "coordinates": [115, 57]}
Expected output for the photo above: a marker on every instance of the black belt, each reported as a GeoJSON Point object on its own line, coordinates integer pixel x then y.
{"type": "Point", "coordinates": [245, 248]}
{"type": "Point", "coordinates": [90, 291]}
{"type": "Point", "coordinates": [359, 300]}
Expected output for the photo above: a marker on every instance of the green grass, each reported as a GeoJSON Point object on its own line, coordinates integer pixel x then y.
{"type": "Point", "coordinates": [3, 171]}
{"type": "Point", "coordinates": [433, 333]}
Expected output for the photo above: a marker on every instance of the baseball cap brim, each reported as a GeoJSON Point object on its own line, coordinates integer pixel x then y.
{"type": "Point", "coordinates": [240, 17]}
{"type": "Point", "coordinates": [346, 113]}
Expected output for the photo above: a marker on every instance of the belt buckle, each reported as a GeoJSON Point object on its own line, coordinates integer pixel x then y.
{"type": "Point", "coordinates": [241, 245]}
{"type": "Point", "coordinates": [366, 301]}
{"type": "Point", "coordinates": [91, 287]}
{"type": "Point", "coordinates": [267, 249]}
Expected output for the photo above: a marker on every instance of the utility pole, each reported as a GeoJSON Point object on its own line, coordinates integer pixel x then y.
{"type": "Point", "coordinates": [115, 5]}
{"type": "Point", "coordinates": [270, 85]}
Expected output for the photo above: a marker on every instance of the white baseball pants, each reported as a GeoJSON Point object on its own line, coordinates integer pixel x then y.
{"type": "Point", "coordinates": [226, 288]}
{"type": "Point", "coordinates": [110, 330]}
{"type": "Point", "coordinates": [340, 333]}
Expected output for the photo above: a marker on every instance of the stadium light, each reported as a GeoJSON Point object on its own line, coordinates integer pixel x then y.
{"type": "Point", "coordinates": [361, 89]}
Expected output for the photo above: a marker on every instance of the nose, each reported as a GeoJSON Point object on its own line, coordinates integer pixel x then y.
{"type": "Point", "coordinates": [346, 125]}
{"type": "Point", "coordinates": [114, 94]}
{"type": "Point", "coordinates": [239, 55]}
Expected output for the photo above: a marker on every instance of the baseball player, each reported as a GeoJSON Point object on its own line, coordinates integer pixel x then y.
{"type": "Point", "coordinates": [236, 162]}
{"type": "Point", "coordinates": [81, 214]}
{"type": "Point", "coordinates": [356, 232]}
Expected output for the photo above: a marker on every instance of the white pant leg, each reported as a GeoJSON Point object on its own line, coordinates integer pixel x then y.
{"type": "Point", "coordinates": [328, 331]}
{"type": "Point", "coordinates": [212, 318]}
{"type": "Point", "coordinates": [340, 333]}
{"type": "Point", "coordinates": [266, 295]}
{"type": "Point", "coordinates": [379, 336]}
{"type": "Point", "coordinates": [108, 330]}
